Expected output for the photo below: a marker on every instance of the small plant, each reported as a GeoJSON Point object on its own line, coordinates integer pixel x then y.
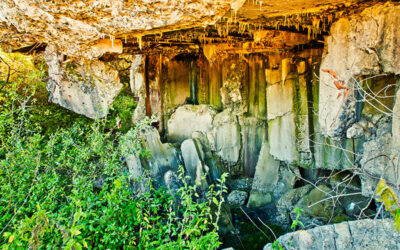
{"type": "Point", "coordinates": [296, 221]}
{"type": "Point", "coordinates": [277, 245]}
{"type": "Point", "coordinates": [390, 201]}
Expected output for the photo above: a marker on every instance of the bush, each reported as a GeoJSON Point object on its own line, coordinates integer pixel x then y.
{"type": "Point", "coordinates": [66, 187]}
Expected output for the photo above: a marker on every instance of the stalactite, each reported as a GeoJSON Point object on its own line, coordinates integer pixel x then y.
{"type": "Point", "coordinates": [139, 40]}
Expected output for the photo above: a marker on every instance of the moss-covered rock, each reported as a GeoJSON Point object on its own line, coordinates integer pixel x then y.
{"type": "Point", "coordinates": [315, 206]}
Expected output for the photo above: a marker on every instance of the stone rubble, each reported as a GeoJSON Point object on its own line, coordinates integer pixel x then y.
{"type": "Point", "coordinates": [361, 234]}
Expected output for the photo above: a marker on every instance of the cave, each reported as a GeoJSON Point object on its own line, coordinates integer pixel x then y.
{"type": "Point", "coordinates": [296, 100]}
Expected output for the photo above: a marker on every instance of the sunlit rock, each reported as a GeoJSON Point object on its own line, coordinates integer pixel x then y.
{"type": "Point", "coordinates": [163, 156]}
{"type": "Point", "coordinates": [226, 137]}
{"type": "Point", "coordinates": [193, 158]}
{"type": "Point", "coordinates": [288, 119]}
{"type": "Point", "coordinates": [85, 87]}
{"type": "Point", "coordinates": [138, 86]}
{"type": "Point", "coordinates": [363, 44]}
{"type": "Point", "coordinates": [359, 234]}
{"type": "Point", "coordinates": [188, 119]}
{"type": "Point", "coordinates": [271, 180]}
{"type": "Point", "coordinates": [77, 28]}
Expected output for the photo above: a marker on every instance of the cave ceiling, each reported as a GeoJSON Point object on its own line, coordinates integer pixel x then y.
{"type": "Point", "coordinates": [80, 28]}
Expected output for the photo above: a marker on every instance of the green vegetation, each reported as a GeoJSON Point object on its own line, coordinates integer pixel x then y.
{"type": "Point", "coordinates": [296, 221]}
{"type": "Point", "coordinates": [391, 202]}
{"type": "Point", "coordinates": [63, 185]}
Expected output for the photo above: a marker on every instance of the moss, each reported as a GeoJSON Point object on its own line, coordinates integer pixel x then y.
{"type": "Point", "coordinates": [71, 70]}
{"type": "Point", "coordinates": [340, 218]}
{"type": "Point", "coordinates": [122, 109]}
{"type": "Point", "coordinates": [315, 209]}
{"type": "Point", "coordinates": [258, 199]}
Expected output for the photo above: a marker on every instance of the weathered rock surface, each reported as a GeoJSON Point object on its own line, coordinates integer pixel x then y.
{"type": "Point", "coordinates": [363, 44]}
{"type": "Point", "coordinates": [253, 135]}
{"type": "Point", "coordinates": [75, 27]}
{"type": "Point", "coordinates": [172, 182]}
{"type": "Point", "coordinates": [361, 234]}
{"type": "Point", "coordinates": [213, 164]}
{"type": "Point", "coordinates": [380, 159]}
{"type": "Point", "coordinates": [316, 205]}
{"type": "Point", "coordinates": [188, 119]}
{"type": "Point", "coordinates": [237, 197]}
{"type": "Point", "coordinates": [335, 154]}
{"type": "Point", "coordinates": [138, 86]}
{"type": "Point", "coordinates": [288, 201]}
{"type": "Point", "coordinates": [193, 158]}
{"type": "Point", "coordinates": [163, 156]}
{"type": "Point", "coordinates": [288, 114]}
{"type": "Point", "coordinates": [265, 179]}
{"type": "Point", "coordinates": [226, 137]}
{"type": "Point", "coordinates": [85, 87]}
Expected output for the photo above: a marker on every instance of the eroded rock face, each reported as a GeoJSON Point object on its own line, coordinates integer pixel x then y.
{"type": "Point", "coordinates": [76, 27]}
{"type": "Point", "coordinates": [380, 159]}
{"type": "Point", "coordinates": [288, 118]}
{"type": "Point", "coordinates": [225, 136]}
{"type": "Point", "coordinates": [188, 119]}
{"type": "Point", "coordinates": [163, 156]}
{"type": "Point", "coordinates": [361, 234]}
{"type": "Point", "coordinates": [288, 201]}
{"type": "Point", "coordinates": [237, 197]}
{"type": "Point", "coordinates": [266, 176]}
{"type": "Point", "coordinates": [193, 158]}
{"type": "Point", "coordinates": [364, 44]}
{"type": "Point", "coordinates": [85, 87]}
{"type": "Point", "coordinates": [138, 86]}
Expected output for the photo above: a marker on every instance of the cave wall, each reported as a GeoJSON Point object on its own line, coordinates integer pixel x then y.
{"type": "Point", "coordinates": [275, 120]}
{"type": "Point", "coordinates": [267, 95]}
{"type": "Point", "coordinates": [260, 117]}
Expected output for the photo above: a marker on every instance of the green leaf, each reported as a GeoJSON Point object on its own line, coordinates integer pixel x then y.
{"type": "Point", "coordinates": [397, 220]}
{"type": "Point", "coordinates": [215, 201]}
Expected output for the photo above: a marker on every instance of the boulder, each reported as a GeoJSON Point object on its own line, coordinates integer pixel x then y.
{"type": "Point", "coordinates": [316, 205]}
{"type": "Point", "coordinates": [137, 176]}
{"type": "Point", "coordinates": [162, 156]}
{"type": "Point", "coordinates": [360, 234]}
{"type": "Point", "coordinates": [193, 158]}
{"type": "Point", "coordinates": [214, 165]}
{"type": "Point", "coordinates": [288, 201]}
{"type": "Point", "coordinates": [225, 137]}
{"type": "Point", "coordinates": [87, 87]}
{"type": "Point", "coordinates": [188, 119]}
{"type": "Point", "coordinates": [271, 180]}
{"type": "Point", "coordinates": [237, 197]}
{"type": "Point", "coordinates": [354, 205]}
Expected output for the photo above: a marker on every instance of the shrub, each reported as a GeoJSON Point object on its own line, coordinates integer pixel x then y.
{"type": "Point", "coordinates": [66, 187]}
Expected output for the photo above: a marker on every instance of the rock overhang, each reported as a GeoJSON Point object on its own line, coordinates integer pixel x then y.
{"type": "Point", "coordinates": [78, 29]}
